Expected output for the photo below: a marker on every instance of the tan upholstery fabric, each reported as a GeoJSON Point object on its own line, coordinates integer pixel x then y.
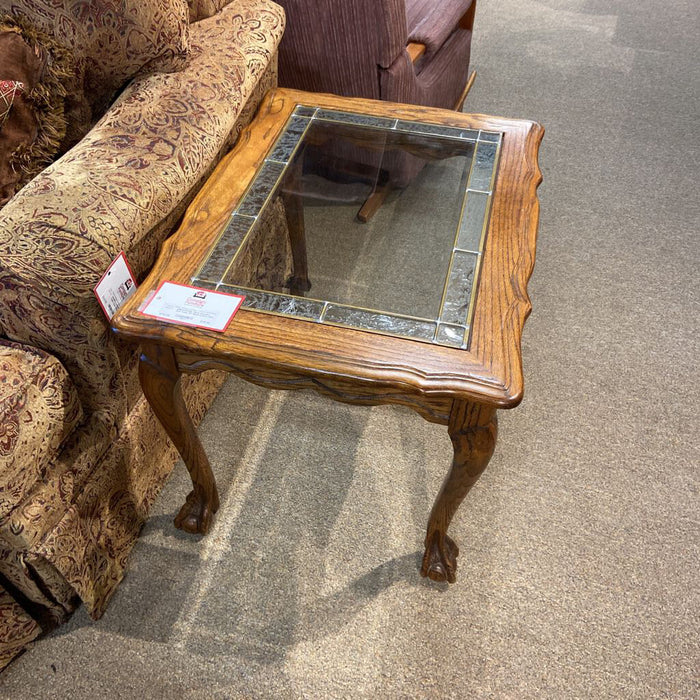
{"type": "Point", "coordinates": [123, 187]}
{"type": "Point", "coordinates": [64, 480]}
{"type": "Point", "coordinates": [111, 192]}
{"type": "Point", "coordinates": [201, 9]}
{"type": "Point", "coordinates": [39, 408]}
{"type": "Point", "coordinates": [111, 41]}
{"type": "Point", "coordinates": [91, 543]}
{"type": "Point", "coordinates": [17, 629]}
{"type": "Point", "coordinates": [47, 595]}
{"type": "Point", "coordinates": [103, 517]}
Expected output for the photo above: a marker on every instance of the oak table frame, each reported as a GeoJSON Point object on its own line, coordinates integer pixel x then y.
{"type": "Point", "coordinates": [460, 388]}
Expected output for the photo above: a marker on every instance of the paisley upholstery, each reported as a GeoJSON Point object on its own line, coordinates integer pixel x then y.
{"type": "Point", "coordinates": [124, 186]}
{"type": "Point", "coordinates": [201, 9]}
{"type": "Point", "coordinates": [39, 408]}
{"type": "Point", "coordinates": [89, 546]}
{"type": "Point", "coordinates": [138, 167]}
{"type": "Point", "coordinates": [111, 41]}
{"type": "Point", "coordinates": [17, 628]}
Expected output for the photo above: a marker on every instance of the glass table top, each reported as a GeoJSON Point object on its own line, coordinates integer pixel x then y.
{"type": "Point", "coordinates": [412, 270]}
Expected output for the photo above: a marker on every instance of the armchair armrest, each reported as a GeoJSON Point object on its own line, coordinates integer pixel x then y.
{"type": "Point", "coordinates": [431, 23]}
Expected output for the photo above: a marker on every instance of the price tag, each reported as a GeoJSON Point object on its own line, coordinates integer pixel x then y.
{"type": "Point", "coordinates": [116, 286]}
{"type": "Point", "coordinates": [191, 306]}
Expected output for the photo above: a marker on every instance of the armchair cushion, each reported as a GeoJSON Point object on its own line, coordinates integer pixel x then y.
{"type": "Point", "coordinates": [430, 22]}
{"type": "Point", "coordinates": [39, 408]}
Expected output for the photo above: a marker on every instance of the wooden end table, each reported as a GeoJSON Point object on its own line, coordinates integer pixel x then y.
{"type": "Point", "coordinates": [430, 318]}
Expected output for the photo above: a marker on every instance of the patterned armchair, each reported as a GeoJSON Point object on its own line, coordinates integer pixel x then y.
{"type": "Point", "coordinates": [81, 454]}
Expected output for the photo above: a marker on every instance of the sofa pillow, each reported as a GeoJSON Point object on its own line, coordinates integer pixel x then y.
{"type": "Point", "coordinates": [111, 42]}
{"type": "Point", "coordinates": [32, 121]}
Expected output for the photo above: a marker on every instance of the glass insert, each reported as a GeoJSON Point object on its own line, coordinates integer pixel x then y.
{"type": "Point", "coordinates": [411, 270]}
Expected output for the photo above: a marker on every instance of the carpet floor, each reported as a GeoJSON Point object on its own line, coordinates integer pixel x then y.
{"type": "Point", "coordinates": [578, 573]}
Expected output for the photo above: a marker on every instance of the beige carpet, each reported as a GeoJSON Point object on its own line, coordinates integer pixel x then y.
{"type": "Point", "coordinates": [578, 574]}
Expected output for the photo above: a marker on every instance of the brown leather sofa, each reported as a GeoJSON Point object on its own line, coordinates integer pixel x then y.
{"type": "Point", "coordinates": [81, 455]}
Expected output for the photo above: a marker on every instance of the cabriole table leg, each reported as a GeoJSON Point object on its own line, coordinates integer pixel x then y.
{"type": "Point", "coordinates": [472, 429]}
{"type": "Point", "coordinates": [160, 381]}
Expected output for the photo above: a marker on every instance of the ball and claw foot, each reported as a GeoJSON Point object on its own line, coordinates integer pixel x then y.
{"type": "Point", "coordinates": [440, 558]}
{"type": "Point", "coordinates": [196, 514]}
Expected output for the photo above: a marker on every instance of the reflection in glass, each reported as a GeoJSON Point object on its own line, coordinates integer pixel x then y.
{"type": "Point", "coordinates": [450, 335]}
{"type": "Point", "coordinates": [473, 223]}
{"type": "Point", "coordinates": [410, 271]}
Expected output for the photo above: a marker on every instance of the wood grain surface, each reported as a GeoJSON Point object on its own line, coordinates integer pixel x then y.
{"type": "Point", "coordinates": [490, 372]}
{"type": "Point", "coordinates": [473, 429]}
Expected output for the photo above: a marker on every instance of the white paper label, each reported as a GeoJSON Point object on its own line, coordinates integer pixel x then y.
{"type": "Point", "coordinates": [115, 287]}
{"type": "Point", "coordinates": [191, 306]}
